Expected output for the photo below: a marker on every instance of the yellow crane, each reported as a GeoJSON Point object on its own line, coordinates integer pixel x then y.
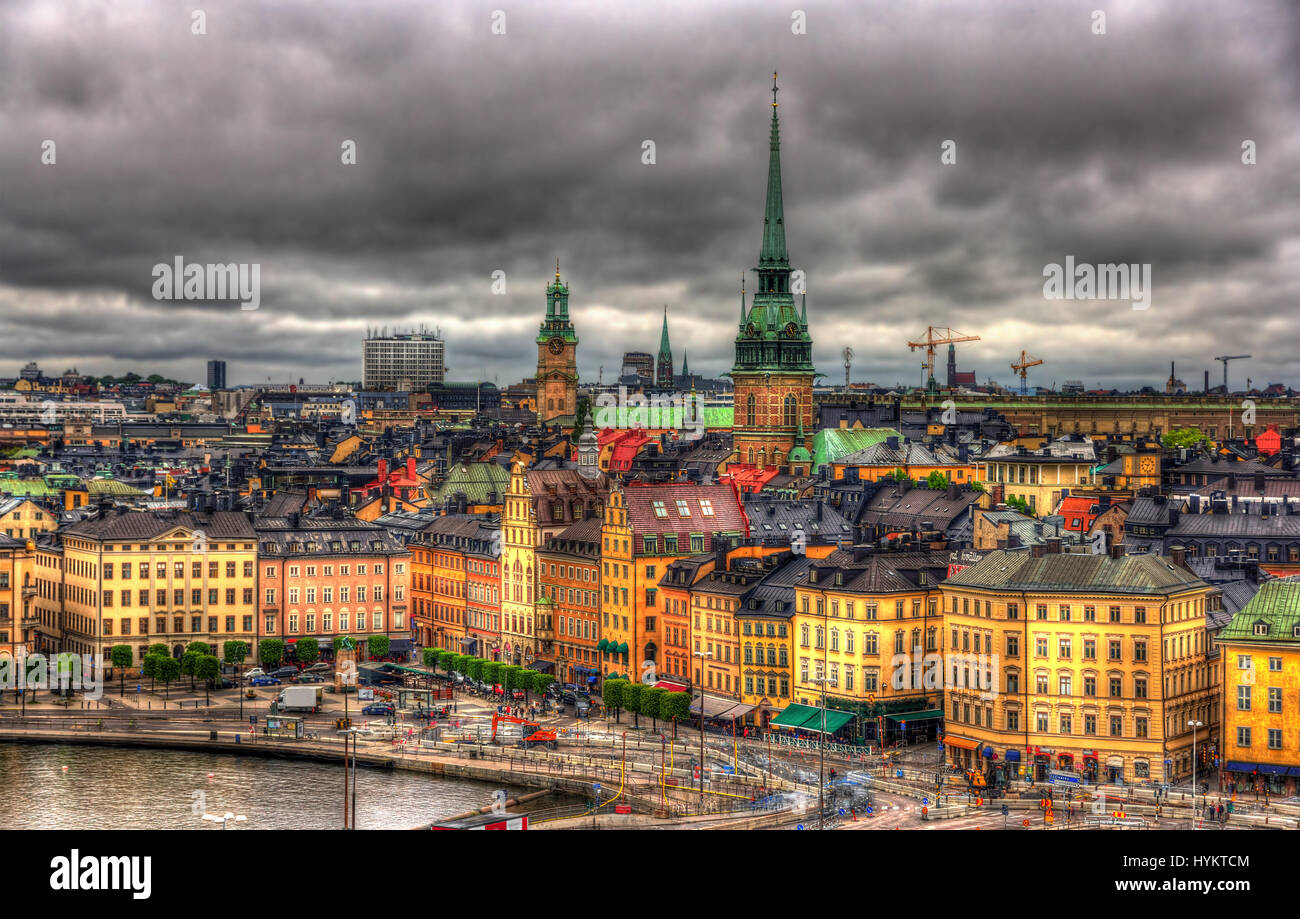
{"type": "Point", "coordinates": [1025, 363]}
{"type": "Point", "coordinates": [936, 336]}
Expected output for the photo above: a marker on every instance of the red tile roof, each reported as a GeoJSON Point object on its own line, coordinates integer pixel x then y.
{"type": "Point", "coordinates": [728, 514]}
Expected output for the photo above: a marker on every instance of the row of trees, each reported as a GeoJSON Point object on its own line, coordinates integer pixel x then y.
{"type": "Point", "coordinates": [510, 676]}
{"type": "Point", "coordinates": [654, 702]}
{"type": "Point", "coordinates": [270, 651]}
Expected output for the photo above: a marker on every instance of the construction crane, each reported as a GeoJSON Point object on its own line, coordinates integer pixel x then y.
{"type": "Point", "coordinates": [848, 362]}
{"type": "Point", "coordinates": [936, 336]}
{"type": "Point", "coordinates": [1025, 363]}
{"type": "Point", "coordinates": [1224, 359]}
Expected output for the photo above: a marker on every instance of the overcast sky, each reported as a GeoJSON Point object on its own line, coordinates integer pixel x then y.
{"type": "Point", "coordinates": [479, 152]}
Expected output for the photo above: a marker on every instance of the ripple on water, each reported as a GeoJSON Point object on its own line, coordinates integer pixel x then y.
{"type": "Point", "coordinates": [55, 786]}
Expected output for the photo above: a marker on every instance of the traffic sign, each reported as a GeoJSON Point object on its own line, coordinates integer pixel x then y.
{"type": "Point", "coordinates": [799, 827]}
{"type": "Point", "coordinates": [898, 774]}
{"type": "Point", "coordinates": [941, 746]}
{"type": "Point", "coordinates": [595, 786]}
{"type": "Point", "coordinates": [925, 801]}
{"type": "Point", "coordinates": [1005, 810]}
{"type": "Point", "coordinates": [841, 812]}
{"type": "Point", "coordinates": [1026, 821]}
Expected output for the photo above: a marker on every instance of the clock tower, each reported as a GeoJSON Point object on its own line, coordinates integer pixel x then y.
{"type": "Point", "coordinates": [557, 358]}
{"type": "Point", "coordinates": [773, 371]}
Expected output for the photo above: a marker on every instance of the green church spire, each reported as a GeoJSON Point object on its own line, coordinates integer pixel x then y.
{"type": "Point", "coordinates": [773, 254]}
{"type": "Point", "coordinates": [664, 349]}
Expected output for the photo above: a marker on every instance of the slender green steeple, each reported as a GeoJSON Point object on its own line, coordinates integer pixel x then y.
{"type": "Point", "coordinates": [773, 333]}
{"type": "Point", "coordinates": [664, 360]}
{"type": "Point", "coordinates": [773, 254]}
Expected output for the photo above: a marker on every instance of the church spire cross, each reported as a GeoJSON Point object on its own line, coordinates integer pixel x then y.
{"type": "Point", "coordinates": [775, 90]}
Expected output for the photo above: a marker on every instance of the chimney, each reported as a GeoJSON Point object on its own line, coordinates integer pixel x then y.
{"type": "Point", "coordinates": [1013, 540]}
{"type": "Point", "coordinates": [1178, 556]}
{"type": "Point", "coordinates": [1194, 504]}
{"type": "Point", "coordinates": [952, 491]}
{"type": "Point", "coordinates": [410, 467]}
{"type": "Point", "coordinates": [1037, 550]}
{"type": "Point", "coordinates": [383, 471]}
{"type": "Point", "coordinates": [1053, 545]}
{"type": "Point", "coordinates": [891, 443]}
{"type": "Point", "coordinates": [1117, 550]}
{"type": "Point", "coordinates": [1259, 482]}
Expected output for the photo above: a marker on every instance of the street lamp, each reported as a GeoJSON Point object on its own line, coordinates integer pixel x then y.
{"type": "Point", "coordinates": [224, 819]}
{"type": "Point", "coordinates": [701, 655]}
{"type": "Point", "coordinates": [1194, 725]}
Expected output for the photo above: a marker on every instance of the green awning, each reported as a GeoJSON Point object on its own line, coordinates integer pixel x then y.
{"type": "Point", "coordinates": [622, 649]}
{"type": "Point", "coordinates": [603, 645]}
{"type": "Point", "coordinates": [809, 718]}
{"type": "Point", "coordinates": [928, 715]}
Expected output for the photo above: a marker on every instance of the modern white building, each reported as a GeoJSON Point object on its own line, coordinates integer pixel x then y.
{"type": "Point", "coordinates": [408, 362]}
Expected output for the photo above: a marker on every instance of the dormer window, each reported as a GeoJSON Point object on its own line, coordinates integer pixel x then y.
{"type": "Point", "coordinates": [1261, 628]}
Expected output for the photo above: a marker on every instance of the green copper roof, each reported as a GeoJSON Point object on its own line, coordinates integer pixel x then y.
{"type": "Point", "coordinates": [665, 351]}
{"type": "Point", "coordinates": [478, 481]}
{"type": "Point", "coordinates": [1276, 606]}
{"type": "Point", "coordinates": [830, 445]}
{"type": "Point", "coordinates": [557, 323]}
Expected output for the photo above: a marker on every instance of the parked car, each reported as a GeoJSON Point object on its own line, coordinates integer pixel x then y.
{"type": "Point", "coordinates": [264, 680]}
{"type": "Point", "coordinates": [379, 708]}
{"type": "Point", "coordinates": [256, 671]}
{"type": "Point", "coordinates": [582, 709]}
{"type": "Point", "coordinates": [285, 673]}
{"type": "Point", "coordinates": [517, 694]}
{"type": "Point", "coordinates": [458, 678]}
{"type": "Point", "coordinates": [310, 678]}
{"type": "Point", "coordinates": [223, 683]}
{"type": "Point", "coordinates": [319, 667]}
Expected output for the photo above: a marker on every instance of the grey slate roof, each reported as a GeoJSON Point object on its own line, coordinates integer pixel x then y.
{"type": "Point", "coordinates": [1066, 572]}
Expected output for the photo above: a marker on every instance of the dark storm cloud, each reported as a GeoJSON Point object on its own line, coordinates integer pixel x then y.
{"type": "Point", "coordinates": [480, 152]}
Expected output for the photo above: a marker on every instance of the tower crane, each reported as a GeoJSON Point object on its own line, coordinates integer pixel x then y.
{"type": "Point", "coordinates": [1224, 359]}
{"type": "Point", "coordinates": [936, 336]}
{"type": "Point", "coordinates": [1025, 363]}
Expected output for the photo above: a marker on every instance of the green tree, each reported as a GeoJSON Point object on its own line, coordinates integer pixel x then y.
{"type": "Point", "coordinates": [159, 648]}
{"type": "Point", "coordinates": [632, 693]}
{"type": "Point", "coordinates": [1184, 437]}
{"type": "Point", "coordinates": [150, 667]}
{"type": "Point", "coordinates": [674, 707]}
{"type": "Point", "coordinates": [612, 696]}
{"type": "Point", "coordinates": [270, 651]}
{"type": "Point", "coordinates": [937, 480]}
{"type": "Point", "coordinates": [461, 663]}
{"type": "Point", "coordinates": [430, 657]}
{"type": "Point", "coordinates": [447, 660]}
{"type": "Point", "coordinates": [476, 669]}
{"type": "Point", "coordinates": [188, 661]}
{"type": "Point", "coordinates": [207, 669]}
{"type": "Point", "coordinates": [542, 682]}
{"type": "Point", "coordinates": [169, 670]}
{"type": "Point", "coordinates": [583, 410]}
{"type": "Point", "coordinates": [651, 699]}
{"type": "Point", "coordinates": [378, 645]}
{"type": "Point", "coordinates": [200, 647]}
{"type": "Point", "coordinates": [235, 652]}
{"type": "Point", "coordinates": [491, 672]}
{"type": "Point", "coordinates": [121, 657]}
{"type": "Point", "coordinates": [977, 486]}
{"type": "Point", "coordinates": [308, 650]}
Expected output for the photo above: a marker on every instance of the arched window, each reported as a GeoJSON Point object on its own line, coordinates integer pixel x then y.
{"type": "Point", "coordinates": [750, 411]}
{"type": "Point", "coordinates": [791, 411]}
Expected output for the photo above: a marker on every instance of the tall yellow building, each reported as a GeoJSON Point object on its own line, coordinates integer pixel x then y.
{"type": "Point", "coordinates": [1091, 664]}
{"type": "Point", "coordinates": [1261, 690]}
{"type": "Point", "coordinates": [17, 594]}
{"type": "Point", "coordinates": [857, 617]}
{"type": "Point", "coordinates": [646, 529]}
{"type": "Point", "coordinates": [140, 578]}
{"type": "Point", "coordinates": [519, 539]}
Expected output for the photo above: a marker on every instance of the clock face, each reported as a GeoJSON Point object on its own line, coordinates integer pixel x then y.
{"type": "Point", "coordinates": [1148, 465]}
{"type": "Point", "coordinates": [791, 330]}
{"type": "Point", "coordinates": [556, 345]}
